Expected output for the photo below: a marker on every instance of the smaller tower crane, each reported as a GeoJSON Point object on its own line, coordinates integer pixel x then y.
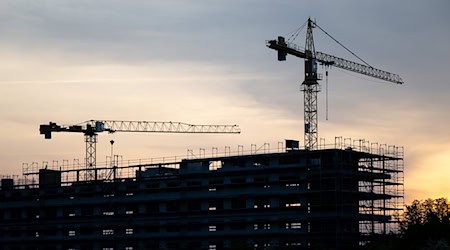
{"type": "Point", "coordinates": [310, 85]}
{"type": "Point", "coordinates": [92, 128]}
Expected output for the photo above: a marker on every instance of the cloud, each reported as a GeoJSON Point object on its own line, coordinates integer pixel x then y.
{"type": "Point", "coordinates": [206, 61]}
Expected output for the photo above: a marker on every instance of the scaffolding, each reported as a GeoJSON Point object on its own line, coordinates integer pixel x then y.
{"type": "Point", "coordinates": [348, 189]}
{"type": "Point", "coordinates": [383, 198]}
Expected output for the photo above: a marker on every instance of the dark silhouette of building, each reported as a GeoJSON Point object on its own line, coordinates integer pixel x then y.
{"type": "Point", "coordinates": [297, 199]}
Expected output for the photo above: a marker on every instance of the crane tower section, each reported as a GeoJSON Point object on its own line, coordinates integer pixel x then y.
{"type": "Point", "coordinates": [310, 88]}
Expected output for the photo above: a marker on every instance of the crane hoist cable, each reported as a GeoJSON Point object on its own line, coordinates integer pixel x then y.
{"type": "Point", "coordinates": [334, 39]}
{"type": "Point", "coordinates": [296, 32]}
{"type": "Point", "coordinates": [326, 94]}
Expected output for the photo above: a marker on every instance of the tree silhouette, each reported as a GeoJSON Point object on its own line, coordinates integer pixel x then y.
{"type": "Point", "coordinates": [425, 225]}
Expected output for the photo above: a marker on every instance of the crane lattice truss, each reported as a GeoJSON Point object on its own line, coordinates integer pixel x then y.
{"type": "Point", "coordinates": [327, 59]}
{"type": "Point", "coordinates": [91, 128]}
{"type": "Point", "coordinates": [166, 127]}
{"type": "Point", "coordinates": [310, 85]}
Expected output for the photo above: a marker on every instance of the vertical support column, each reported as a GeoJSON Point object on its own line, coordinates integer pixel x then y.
{"type": "Point", "coordinates": [384, 194]}
{"type": "Point", "coordinates": [372, 201]}
{"type": "Point", "coordinates": [310, 114]}
{"type": "Point", "coordinates": [91, 142]}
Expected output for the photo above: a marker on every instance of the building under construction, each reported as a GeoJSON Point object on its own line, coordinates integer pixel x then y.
{"type": "Point", "coordinates": [335, 197]}
{"type": "Point", "coordinates": [318, 197]}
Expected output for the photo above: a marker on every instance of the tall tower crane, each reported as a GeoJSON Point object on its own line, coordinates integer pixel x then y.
{"type": "Point", "coordinates": [91, 128]}
{"type": "Point", "coordinates": [310, 86]}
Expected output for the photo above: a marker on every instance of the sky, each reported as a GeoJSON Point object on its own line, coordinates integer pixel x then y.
{"type": "Point", "coordinates": [205, 62]}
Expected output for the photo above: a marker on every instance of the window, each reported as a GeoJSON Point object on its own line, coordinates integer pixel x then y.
{"type": "Point", "coordinates": [294, 225]}
{"type": "Point", "coordinates": [215, 205]}
{"type": "Point", "coordinates": [128, 248]}
{"type": "Point", "coordinates": [212, 247]}
{"type": "Point", "coordinates": [129, 231]}
{"type": "Point", "coordinates": [212, 228]}
{"type": "Point", "coordinates": [72, 233]}
{"type": "Point", "coordinates": [261, 203]}
{"type": "Point", "coordinates": [289, 180]}
{"type": "Point", "coordinates": [108, 231]}
{"type": "Point", "coordinates": [129, 194]}
{"type": "Point", "coordinates": [129, 212]}
{"type": "Point", "coordinates": [214, 165]}
{"type": "Point", "coordinates": [293, 244]}
{"type": "Point", "coordinates": [257, 162]}
{"type": "Point", "coordinates": [262, 181]}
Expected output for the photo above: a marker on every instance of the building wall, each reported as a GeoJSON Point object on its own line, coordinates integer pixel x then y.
{"type": "Point", "coordinates": [293, 200]}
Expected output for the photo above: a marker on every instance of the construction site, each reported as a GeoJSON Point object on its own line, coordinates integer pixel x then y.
{"type": "Point", "coordinates": [289, 195]}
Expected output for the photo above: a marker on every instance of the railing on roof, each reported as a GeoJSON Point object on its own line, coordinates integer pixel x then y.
{"type": "Point", "coordinates": [74, 171]}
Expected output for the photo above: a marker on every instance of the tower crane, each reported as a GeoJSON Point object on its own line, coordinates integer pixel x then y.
{"type": "Point", "coordinates": [310, 86]}
{"type": "Point", "coordinates": [91, 128]}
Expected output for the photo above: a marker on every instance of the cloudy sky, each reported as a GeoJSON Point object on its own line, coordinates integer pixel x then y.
{"type": "Point", "coordinates": [206, 62]}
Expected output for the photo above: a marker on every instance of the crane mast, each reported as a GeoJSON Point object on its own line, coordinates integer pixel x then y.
{"type": "Point", "coordinates": [310, 85]}
{"type": "Point", "coordinates": [310, 88]}
{"type": "Point", "coordinates": [91, 128]}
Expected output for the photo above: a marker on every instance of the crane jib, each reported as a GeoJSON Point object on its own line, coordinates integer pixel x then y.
{"type": "Point", "coordinates": [289, 48]}
{"type": "Point", "coordinates": [91, 128]}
